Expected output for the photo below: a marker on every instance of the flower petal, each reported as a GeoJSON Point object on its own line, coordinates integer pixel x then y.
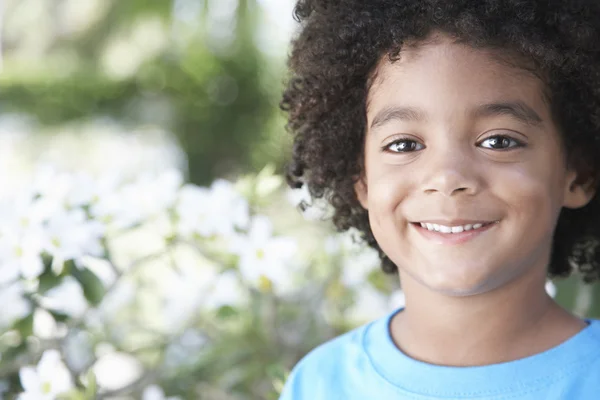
{"type": "Point", "coordinates": [29, 378]}
{"type": "Point", "coordinates": [48, 363]}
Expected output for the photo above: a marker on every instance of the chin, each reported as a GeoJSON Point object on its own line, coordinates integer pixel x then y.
{"type": "Point", "coordinates": [469, 283]}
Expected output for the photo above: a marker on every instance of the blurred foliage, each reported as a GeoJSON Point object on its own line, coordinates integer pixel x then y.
{"type": "Point", "coordinates": [217, 101]}
{"type": "Point", "coordinates": [203, 319]}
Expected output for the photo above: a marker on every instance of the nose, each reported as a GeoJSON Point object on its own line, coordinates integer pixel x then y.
{"type": "Point", "coordinates": [450, 173]}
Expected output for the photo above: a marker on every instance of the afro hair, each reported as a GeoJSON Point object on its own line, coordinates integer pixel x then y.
{"type": "Point", "coordinates": [334, 58]}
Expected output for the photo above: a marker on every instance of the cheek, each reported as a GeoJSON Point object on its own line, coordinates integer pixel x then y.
{"type": "Point", "coordinates": [387, 193]}
{"type": "Point", "coordinates": [533, 191]}
{"type": "Point", "coordinates": [387, 190]}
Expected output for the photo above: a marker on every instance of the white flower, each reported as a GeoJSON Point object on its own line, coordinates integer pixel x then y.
{"type": "Point", "coordinates": [23, 214]}
{"type": "Point", "coordinates": [53, 186]}
{"type": "Point", "coordinates": [185, 290]}
{"type": "Point", "coordinates": [66, 298]}
{"type": "Point", "coordinates": [215, 211]}
{"type": "Point", "coordinates": [264, 256]}
{"type": "Point", "coordinates": [19, 306]}
{"type": "Point", "coordinates": [20, 255]}
{"type": "Point", "coordinates": [22, 236]}
{"type": "Point", "coordinates": [151, 195]}
{"type": "Point", "coordinates": [47, 380]}
{"type": "Point", "coordinates": [114, 212]}
{"type": "Point", "coordinates": [120, 206]}
{"type": "Point", "coordinates": [44, 325]}
{"type": "Point", "coordinates": [192, 210]}
{"type": "Point", "coordinates": [87, 191]}
{"type": "Point", "coordinates": [155, 392]}
{"type": "Point", "coordinates": [116, 370]}
{"type": "Point", "coordinates": [226, 290]}
{"type": "Point", "coordinates": [69, 235]}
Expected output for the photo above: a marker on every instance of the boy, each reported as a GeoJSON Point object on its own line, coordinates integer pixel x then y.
{"type": "Point", "coordinates": [462, 138]}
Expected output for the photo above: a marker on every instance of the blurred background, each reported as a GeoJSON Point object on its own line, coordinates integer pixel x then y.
{"type": "Point", "coordinates": [195, 81]}
{"type": "Point", "coordinates": [151, 128]}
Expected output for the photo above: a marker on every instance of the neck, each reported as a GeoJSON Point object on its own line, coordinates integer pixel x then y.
{"type": "Point", "coordinates": [513, 322]}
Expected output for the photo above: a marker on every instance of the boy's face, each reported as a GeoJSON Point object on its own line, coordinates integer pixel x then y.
{"type": "Point", "coordinates": [458, 140]}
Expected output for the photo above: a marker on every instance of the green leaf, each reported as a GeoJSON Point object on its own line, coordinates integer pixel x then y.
{"type": "Point", "coordinates": [58, 316]}
{"type": "Point", "coordinates": [278, 375]}
{"type": "Point", "coordinates": [226, 312]}
{"type": "Point", "coordinates": [276, 371]}
{"type": "Point", "coordinates": [48, 280]}
{"type": "Point", "coordinates": [93, 288]}
{"type": "Point", "coordinates": [92, 388]}
{"type": "Point", "coordinates": [72, 395]}
{"type": "Point", "coordinates": [25, 326]}
{"type": "Point", "coordinates": [13, 353]}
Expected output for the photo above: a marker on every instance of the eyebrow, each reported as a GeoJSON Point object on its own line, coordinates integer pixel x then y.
{"type": "Point", "coordinates": [516, 109]}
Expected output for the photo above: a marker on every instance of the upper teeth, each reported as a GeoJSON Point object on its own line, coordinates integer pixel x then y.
{"type": "Point", "coordinates": [450, 229]}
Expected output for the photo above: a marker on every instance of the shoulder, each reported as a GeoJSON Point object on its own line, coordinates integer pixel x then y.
{"type": "Point", "coordinates": [590, 348]}
{"type": "Point", "coordinates": [583, 379]}
{"type": "Point", "coordinates": [593, 336]}
{"type": "Point", "coordinates": [327, 364]}
{"type": "Point", "coordinates": [327, 358]}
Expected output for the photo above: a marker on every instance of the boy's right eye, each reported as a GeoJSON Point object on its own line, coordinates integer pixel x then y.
{"type": "Point", "coordinates": [403, 146]}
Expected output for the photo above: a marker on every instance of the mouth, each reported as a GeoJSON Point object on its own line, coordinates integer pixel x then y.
{"type": "Point", "coordinates": [452, 232]}
{"type": "Point", "coordinates": [453, 227]}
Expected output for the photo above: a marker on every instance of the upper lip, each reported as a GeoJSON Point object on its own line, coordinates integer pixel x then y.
{"type": "Point", "coordinates": [454, 222]}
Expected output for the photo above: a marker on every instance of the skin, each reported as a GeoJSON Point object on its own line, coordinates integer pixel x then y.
{"type": "Point", "coordinates": [481, 301]}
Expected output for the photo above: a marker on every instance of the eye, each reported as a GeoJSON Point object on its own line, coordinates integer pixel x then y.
{"type": "Point", "coordinates": [403, 146]}
{"type": "Point", "coordinates": [500, 142]}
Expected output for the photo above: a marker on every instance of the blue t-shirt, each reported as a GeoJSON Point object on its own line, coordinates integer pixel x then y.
{"type": "Point", "coordinates": [365, 364]}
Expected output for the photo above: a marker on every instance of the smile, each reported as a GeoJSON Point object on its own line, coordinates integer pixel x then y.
{"type": "Point", "coordinates": [452, 233]}
{"type": "Point", "coordinates": [454, 228]}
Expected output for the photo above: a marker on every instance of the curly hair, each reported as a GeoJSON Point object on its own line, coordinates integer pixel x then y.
{"type": "Point", "coordinates": [334, 58]}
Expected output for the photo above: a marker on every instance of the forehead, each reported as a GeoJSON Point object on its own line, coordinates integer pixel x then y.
{"type": "Point", "coordinates": [442, 75]}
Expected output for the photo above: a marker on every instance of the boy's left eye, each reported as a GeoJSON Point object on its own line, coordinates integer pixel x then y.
{"type": "Point", "coordinates": [500, 142]}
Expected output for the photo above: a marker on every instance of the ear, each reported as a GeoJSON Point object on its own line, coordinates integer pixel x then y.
{"type": "Point", "coordinates": [579, 190]}
{"type": "Point", "coordinates": [362, 190]}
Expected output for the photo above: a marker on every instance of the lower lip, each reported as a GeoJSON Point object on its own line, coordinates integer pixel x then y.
{"type": "Point", "coordinates": [452, 238]}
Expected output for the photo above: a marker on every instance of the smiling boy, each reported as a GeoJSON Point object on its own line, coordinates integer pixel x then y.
{"type": "Point", "coordinates": [463, 140]}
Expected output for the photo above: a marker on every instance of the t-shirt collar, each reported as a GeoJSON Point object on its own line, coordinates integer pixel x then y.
{"type": "Point", "coordinates": [434, 380]}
